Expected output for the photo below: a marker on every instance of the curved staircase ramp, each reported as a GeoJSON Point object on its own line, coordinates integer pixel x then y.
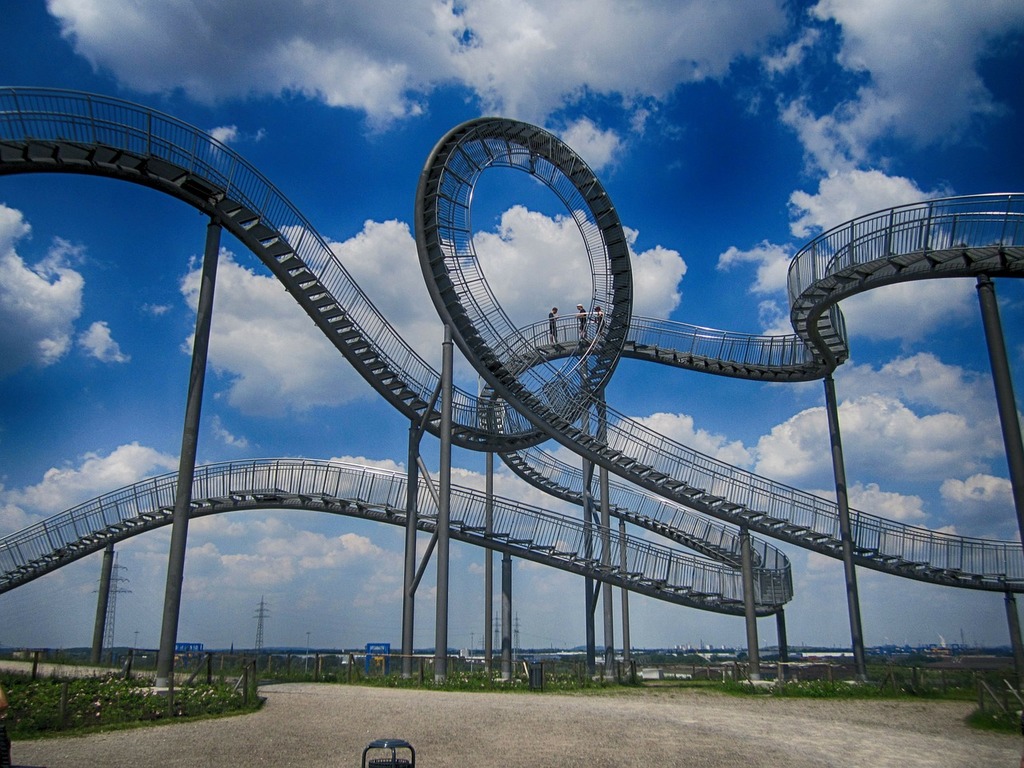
{"type": "Point", "coordinates": [783, 358]}
{"type": "Point", "coordinates": [737, 496]}
{"type": "Point", "coordinates": [371, 493]}
{"type": "Point", "coordinates": [71, 132]}
{"type": "Point", "coordinates": [950, 237]}
{"type": "Point", "coordinates": [673, 521]}
{"type": "Point", "coordinates": [65, 131]}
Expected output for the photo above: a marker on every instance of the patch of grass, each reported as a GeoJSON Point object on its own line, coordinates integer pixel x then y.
{"type": "Point", "coordinates": [994, 721]}
{"type": "Point", "coordinates": [844, 689]}
{"type": "Point", "coordinates": [482, 682]}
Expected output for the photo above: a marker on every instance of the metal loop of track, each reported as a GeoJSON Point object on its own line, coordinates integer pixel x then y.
{"type": "Point", "coordinates": [507, 359]}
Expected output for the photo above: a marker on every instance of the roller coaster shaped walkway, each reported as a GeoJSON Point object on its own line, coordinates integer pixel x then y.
{"type": "Point", "coordinates": [537, 390]}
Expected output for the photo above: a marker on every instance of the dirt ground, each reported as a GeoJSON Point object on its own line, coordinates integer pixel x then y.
{"type": "Point", "coordinates": [329, 725]}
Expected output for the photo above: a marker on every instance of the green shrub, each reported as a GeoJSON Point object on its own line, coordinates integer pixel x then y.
{"type": "Point", "coordinates": [45, 705]}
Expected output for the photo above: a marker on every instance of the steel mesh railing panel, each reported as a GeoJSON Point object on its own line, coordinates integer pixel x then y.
{"type": "Point", "coordinates": [976, 222]}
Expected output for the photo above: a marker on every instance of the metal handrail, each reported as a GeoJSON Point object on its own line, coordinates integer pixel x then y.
{"type": "Point", "coordinates": [547, 536]}
{"type": "Point", "coordinates": [643, 508]}
{"type": "Point", "coordinates": [925, 239]}
{"type": "Point", "coordinates": [758, 356]}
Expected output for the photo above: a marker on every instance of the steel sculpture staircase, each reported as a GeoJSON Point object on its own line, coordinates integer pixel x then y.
{"type": "Point", "coordinates": [376, 494]}
{"type": "Point", "coordinates": [59, 131]}
{"type": "Point", "coordinates": [966, 236]}
{"type": "Point", "coordinates": [882, 545]}
{"type": "Point", "coordinates": [654, 513]}
{"type": "Point", "coordinates": [69, 132]}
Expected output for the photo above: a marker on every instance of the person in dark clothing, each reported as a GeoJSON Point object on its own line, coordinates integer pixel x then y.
{"type": "Point", "coordinates": [581, 316]}
{"type": "Point", "coordinates": [552, 325]}
{"type": "Point", "coordinates": [598, 320]}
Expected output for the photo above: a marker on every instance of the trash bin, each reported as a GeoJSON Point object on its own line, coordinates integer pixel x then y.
{"type": "Point", "coordinates": [383, 753]}
{"type": "Point", "coordinates": [536, 673]}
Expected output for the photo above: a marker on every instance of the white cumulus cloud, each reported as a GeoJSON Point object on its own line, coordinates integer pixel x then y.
{"type": "Point", "coordinates": [98, 342]}
{"type": "Point", "coordinates": [385, 57]}
{"type": "Point", "coordinates": [96, 474]}
{"type": "Point", "coordinates": [42, 301]}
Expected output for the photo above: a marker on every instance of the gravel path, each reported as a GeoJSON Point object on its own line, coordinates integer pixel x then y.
{"type": "Point", "coordinates": [313, 725]}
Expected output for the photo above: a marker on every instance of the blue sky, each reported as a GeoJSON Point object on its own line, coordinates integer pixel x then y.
{"type": "Point", "coordinates": [727, 134]}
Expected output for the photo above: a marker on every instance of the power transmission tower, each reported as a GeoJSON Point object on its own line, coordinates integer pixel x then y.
{"type": "Point", "coordinates": [110, 619]}
{"type": "Point", "coordinates": [262, 612]}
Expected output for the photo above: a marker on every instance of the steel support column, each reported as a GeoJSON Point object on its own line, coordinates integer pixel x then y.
{"type": "Point", "coordinates": [624, 591]}
{"type": "Point", "coordinates": [1006, 404]}
{"type": "Point", "coordinates": [187, 460]}
{"type": "Point", "coordinates": [749, 605]}
{"type": "Point", "coordinates": [1013, 621]}
{"type": "Point", "coordinates": [506, 617]}
{"type": "Point", "coordinates": [845, 530]}
{"type": "Point", "coordinates": [590, 593]}
{"type": "Point", "coordinates": [444, 482]}
{"type": "Point", "coordinates": [606, 545]}
{"type": "Point", "coordinates": [1005, 399]}
{"type": "Point", "coordinates": [489, 565]}
{"type": "Point", "coordinates": [412, 488]}
{"type": "Point", "coordinates": [783, 642]}
{"type": "Point", "coordinates": [102, 601]}
{"type": "Point", "coordinates": [606, 561]}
